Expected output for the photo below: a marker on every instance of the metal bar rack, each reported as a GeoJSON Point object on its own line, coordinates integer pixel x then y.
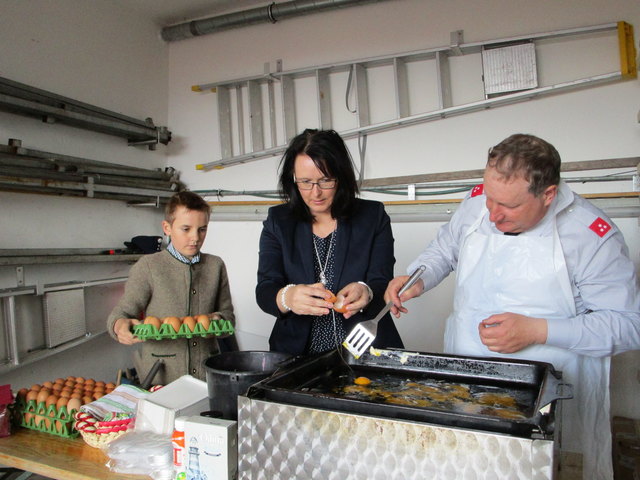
{"type": "Point", "coordinates": [27, 170]}
{"type": "Point", "coordinates": [23, 99]}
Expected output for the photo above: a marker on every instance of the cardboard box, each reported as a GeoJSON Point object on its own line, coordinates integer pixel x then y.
{"type": "Point", "coordinates": [183, 397]}
{"type": "Point", "coordinates": [211, 448]}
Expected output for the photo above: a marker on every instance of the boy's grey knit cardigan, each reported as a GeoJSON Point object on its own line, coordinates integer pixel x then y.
{"type": "Point", "coordinates": [161, 285]}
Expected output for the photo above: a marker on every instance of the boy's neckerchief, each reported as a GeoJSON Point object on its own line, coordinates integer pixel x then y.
{"type": "Point", "coordinates": [178, 256]}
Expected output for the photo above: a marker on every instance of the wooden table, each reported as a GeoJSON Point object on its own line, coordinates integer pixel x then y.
{"type": "Point", "coordinates": [57, 457]}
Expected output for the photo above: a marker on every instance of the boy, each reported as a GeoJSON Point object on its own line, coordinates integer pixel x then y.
{"type": "Point", "coordinates": [178, 281]}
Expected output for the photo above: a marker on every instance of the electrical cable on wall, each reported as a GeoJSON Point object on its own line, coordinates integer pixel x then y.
{"type": "Point", "coordinates": [362, 150]}
{"type": "Point", "coordinates": [348, 90]}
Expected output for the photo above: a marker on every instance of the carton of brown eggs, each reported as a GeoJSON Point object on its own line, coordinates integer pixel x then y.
{"type": "Point", "coordinates": [49, 407]}
{"type": "Point", "coordinates": [182, 327]}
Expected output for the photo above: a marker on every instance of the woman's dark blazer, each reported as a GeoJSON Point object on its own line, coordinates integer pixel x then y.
{"type": "Point", "coordinates": [364, 252]}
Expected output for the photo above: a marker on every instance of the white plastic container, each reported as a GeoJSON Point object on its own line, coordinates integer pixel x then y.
{"type": "Point", "coordinates": [183, 397]}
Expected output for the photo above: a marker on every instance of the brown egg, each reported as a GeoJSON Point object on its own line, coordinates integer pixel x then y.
{"type": "Point", "coordinates": [51, 400]}
{"type": "Point", "coordinates": [174, 322]}
{"type": "Point", "coordinates": [204, 320]}
{"type": "Point", "coordinates": [86, 399]}
{"type": "Point", "coordinates": [79, 379]}
{"type": "Point", "coordinates": [190, 322]}
{"type": "Point", "coordinates": [109, 389]}
{"type": "Point", "coordinates": [47, 384]}
{"type": "Point", "coordinates": [35, 387]}
{"type": "Point", "coordinates": [76, 395]}
{"type": "Point", "coordinates": [32, 395]}
{"type": "Point", "coordinates": [99, 383]}
{"type": "Point", "coordinates": [43, 395]}
{"type": "Point", "coordinates": [155, 321]}
{"type": "Point", "coordinates": [56, 388]}
{"type": "Point", "coordinates": [109, 385]}
{"type": "Point", "coordinates": [39, 421]}
{"type": "Point", "coordinates": [28, 417]}
{"type": "Point", "coordinates": [339, 306]}
{"type": "Point", "coordinates": [59, 380]}
{"type": "Point", "coordinates": [70, 383]}
{"type": "Point", "coordinates": [22, 394]}
{"type": "Point", "coordinates": [98, 395]}
{"type": "Point", "coordinates": [89, 381]}
{"type": "Point", "coordinates": [65, 394]}
{"type": "Point", "coordinates": [62, 402]}
{"type": "Point", "coordinates": [74, 404]}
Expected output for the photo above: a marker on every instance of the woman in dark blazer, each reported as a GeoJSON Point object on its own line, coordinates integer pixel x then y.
{"type": "Point", "coordinates": [322, 240]}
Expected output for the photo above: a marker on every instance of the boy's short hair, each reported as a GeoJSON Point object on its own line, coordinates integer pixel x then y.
{"type": "Point", "coordinates": [189, 200]}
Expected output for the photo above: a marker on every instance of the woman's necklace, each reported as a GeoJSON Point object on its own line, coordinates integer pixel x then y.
{"type": "Point", "coordinates": [323, 269]}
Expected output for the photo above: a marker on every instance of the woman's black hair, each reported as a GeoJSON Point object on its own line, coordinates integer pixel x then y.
{"type": "Point", "coordinates": [329, 153]}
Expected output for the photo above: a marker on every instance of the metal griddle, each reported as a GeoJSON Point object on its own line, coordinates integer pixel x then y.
{"type": "Point", "coordinates": [307, 383]}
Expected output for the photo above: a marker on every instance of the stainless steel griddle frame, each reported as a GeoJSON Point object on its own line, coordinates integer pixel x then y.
{"type": "Point", "coordinates": [281, 441]}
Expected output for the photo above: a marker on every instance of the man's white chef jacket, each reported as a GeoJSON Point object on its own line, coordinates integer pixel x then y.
{"type": "Point", "coordinates": [602, 276]}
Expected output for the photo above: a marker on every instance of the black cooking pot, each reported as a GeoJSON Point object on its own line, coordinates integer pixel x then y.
{"type": "Point", "coordinates": [230, 374]}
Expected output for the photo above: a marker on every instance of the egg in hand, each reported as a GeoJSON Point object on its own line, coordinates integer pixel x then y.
{"type": "Point", "coordinates": [338, 302]}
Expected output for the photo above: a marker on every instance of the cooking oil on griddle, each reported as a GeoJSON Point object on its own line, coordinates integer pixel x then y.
{"type": "Point", "coordinates": [433, 393]}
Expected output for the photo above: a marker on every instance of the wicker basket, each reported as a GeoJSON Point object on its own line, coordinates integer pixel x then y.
{"type": "Point", "coordinates": [98, 434]}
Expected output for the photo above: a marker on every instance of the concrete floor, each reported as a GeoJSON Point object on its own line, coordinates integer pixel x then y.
{"type": "Point", "coordinates": [570, 466]}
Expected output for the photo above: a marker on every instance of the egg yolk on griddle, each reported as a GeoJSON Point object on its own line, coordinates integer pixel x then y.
{"type": "Point", "coordinates": [362, 381]}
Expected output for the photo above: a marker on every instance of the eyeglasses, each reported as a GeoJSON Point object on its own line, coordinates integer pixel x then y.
{"type": "Point", "coordinates": [327, 184]}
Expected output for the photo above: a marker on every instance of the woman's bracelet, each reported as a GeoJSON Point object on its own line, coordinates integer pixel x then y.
{"type": "Point", "coordinates": [368, 289]}
{"type": "Point", "coordinates": [283, 302]}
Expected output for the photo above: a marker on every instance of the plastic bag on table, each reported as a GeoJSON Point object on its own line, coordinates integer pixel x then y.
{"type": "Point", "coordinates": [141, 453]}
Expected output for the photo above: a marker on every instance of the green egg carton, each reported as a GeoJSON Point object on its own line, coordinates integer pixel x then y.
{"type": "Point", "coordinates": [34, 416]}
{"type": "Point", "coordinates": [150, 332]}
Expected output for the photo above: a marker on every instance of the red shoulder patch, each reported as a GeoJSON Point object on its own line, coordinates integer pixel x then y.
{"type": "Point", "coordinates": [600, 227]}
{"type": "Point", "coordinates": [477, 190]}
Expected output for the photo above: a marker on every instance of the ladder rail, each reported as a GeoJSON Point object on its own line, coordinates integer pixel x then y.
{"type": "Point", "coordinates": [402, 116]}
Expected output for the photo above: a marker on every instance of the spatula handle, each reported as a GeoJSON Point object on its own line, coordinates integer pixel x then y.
{"type": "Point", "coordinates": [412, 279]}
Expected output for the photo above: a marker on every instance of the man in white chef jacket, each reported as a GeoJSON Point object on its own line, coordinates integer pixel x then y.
{"type": "Point", "coordinates": [543, 275]}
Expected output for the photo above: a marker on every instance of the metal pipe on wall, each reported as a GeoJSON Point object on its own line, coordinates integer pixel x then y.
{"type": "Point", "coordinates": [270, 13]}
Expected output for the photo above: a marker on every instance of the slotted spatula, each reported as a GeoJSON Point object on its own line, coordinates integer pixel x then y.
{"type": "Point", "coordinates": [363, 334]}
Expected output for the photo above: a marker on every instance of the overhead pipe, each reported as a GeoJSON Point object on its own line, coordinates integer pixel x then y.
{"type": "Point", "coordinates": [270, 13]}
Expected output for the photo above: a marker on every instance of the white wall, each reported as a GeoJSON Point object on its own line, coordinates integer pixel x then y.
{"type": "Point", "coordinates": [594, 123]}
{"type": "Point", "coordinates": [91, 52]}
